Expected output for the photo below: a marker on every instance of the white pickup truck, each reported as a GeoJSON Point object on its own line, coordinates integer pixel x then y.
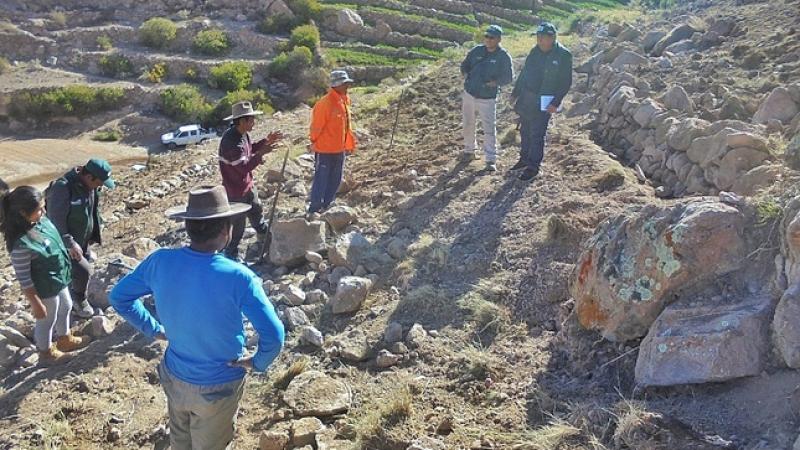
{"type": "Point", "coordinates": [187, 134]}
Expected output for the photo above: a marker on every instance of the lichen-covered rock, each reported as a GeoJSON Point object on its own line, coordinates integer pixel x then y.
{"type": "Point", "coordinates": [313, 393]}
{"type": "Point", "coordinates": [630, 267]}
{"type": "Point", "coordinates": [706, 344]}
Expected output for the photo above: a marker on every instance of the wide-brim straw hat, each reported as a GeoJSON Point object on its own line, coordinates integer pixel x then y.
{"type": "Point", "coordinates": [207, 202]}
{"type": "Point", "coordinates": [242, 109]}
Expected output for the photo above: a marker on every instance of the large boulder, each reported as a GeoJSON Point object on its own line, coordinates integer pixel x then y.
{"type": "Point", "coordinates": [651, 39]}
{"type": "Point", "coordinates": [792, 153]}
{"type": "Point", "coordinates": [756, 179]}
{"type": "Point", "coordinates": [628, 58]}
{"type": "Point", "coordinates": [291, 239]}
{"type": "Point", "coordinates": [677, 98]}
{"type": "Point", "coordinates": [778, 105]}
{"type": "Point", "coordinates": [632, 266]}
{"type": "Point", "coordinates": [706, 343]}
{"type": "Point", "coordinates": [348, 23]}
{"type": "Point", "coordinates": [678, 33]}
{"type": "Point", "coordinates": [312, 393]}
{"type": "Point", "coordinates": [680, 136]}
{"type": "Point", "coordinates": [353, 249]}
{"type": "Point", "coordinates": [141, 248]}
{"type": "Point", "coordinates": [786, 331]}
{"type": "Point", "coordinates": [350, 294]}
{"type": "Point", "coordinates": [339, 217]}
{"type": "Point", "coordinates": [734, 164]}
{"type": "Point", "coordinates": [108, 270]}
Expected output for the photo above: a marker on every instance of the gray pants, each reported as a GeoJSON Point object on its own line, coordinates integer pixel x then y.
{"type": "Point", "coordinates": [57, 319]}
{"type": "Point", "coordinates": [200, 417]}
{"type": "Point", "coordinates": [81, 272]}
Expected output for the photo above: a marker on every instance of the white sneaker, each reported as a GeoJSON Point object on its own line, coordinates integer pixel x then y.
{"type": "Point", "coordinates": [491, 166]}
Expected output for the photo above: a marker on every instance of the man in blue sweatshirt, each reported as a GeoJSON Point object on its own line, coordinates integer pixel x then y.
{"type": "Point", "coordinates": [486, 68]}
{"type": "Point", "coordinates": [200, 297]}
{"type": "Point", "coordinates": [544, 81]}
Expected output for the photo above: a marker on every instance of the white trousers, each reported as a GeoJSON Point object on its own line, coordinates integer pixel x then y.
{"type": "Point", "coordinates": [487, 109]}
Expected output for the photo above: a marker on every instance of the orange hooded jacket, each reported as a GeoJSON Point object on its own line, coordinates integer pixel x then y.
{"type": "Point", "coordinates": [331, 130]}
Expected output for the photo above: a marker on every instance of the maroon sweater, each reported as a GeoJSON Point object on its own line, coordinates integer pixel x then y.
{"type": "Point", "coordinates": [237, 162]}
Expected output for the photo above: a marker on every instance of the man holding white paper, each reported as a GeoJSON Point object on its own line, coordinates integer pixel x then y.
{"type": "Point", "coordinates": [545, 80]}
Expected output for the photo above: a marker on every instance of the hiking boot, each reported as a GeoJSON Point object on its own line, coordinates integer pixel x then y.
{"type": "Point", "coordinates": [70, 343]}
{"type": "Point", "coordinates": [466, 156]}
{"type": "Point", "coordinates": [53, 356]}
{"type": "Point", "coordinates": [519, 165]}
{"type": "Point", "coordinates": [528, 175]}
{"type": "Point", "coordinates": [82, 309]}
{"type": "Point", "coordinates": [491, 167]}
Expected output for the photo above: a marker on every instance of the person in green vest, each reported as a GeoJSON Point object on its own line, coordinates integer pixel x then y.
{"type": "Point", "coordinates": [43, 269]}
{"type": "Point", "coordinates": [73, 204]}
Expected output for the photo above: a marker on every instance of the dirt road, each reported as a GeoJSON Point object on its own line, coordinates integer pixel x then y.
{"type": "Point", "coordinates": [37, 161]}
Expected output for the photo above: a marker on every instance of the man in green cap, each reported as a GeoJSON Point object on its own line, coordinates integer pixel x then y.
{"type": "Point", "coordinates": [486, 68]}
{"type": "Point", "coordinates": [544, 81]}
{"type": "Point", "coordinates": [73, 205]}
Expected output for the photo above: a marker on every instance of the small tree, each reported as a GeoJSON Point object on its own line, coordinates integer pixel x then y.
{"type": "Point", "coordinates": [278, 23]}
{"type": "Point", "coordinates": [304, 36]}
{"type": "Point", "coordinates": [211, 42]}
{"type": "Point", "coordinates": [157, 73]}
{"type": "Point", "coordinates": [286, 66]}
{"type": "Point", "coordinates": [116, 66]}
{"type": "Point", "coordinates": [157, 32]}
{"type": "Point", "coordinates": [104, 42]}
{"type": "Point", "coordinates": [305, 9]}
{"type": "Point", "coordinates": [184, 103]}
{"type": "Point", "coordinates": [258, 98]}
{"type": "Point", "coordinates": [231, 76]}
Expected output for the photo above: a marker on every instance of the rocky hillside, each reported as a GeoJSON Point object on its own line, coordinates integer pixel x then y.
{"type": "Point", "coordinates": [605, 305]}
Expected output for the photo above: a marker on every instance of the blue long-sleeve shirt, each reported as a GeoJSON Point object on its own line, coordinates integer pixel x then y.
{"type": "Point", "coordinates": [200, 299]}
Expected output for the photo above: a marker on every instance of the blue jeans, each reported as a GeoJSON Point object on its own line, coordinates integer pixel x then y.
{"type": "Point", "coordinates": [328, 172]}
{"type": "Point", "coordinates": [532, 133]}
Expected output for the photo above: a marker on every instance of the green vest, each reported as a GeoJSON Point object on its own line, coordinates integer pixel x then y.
{"type": "Point", "coordinates": [83, 220]}
{"type": "Point", "coordinates": [51, 268]}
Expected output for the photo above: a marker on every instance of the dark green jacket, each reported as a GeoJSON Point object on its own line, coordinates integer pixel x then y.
{"type": "Point", "coordinates": [543, 74]}
{"type": "Point", "coordinates": [74, 210]}
{"type": "Point", "coordinates": [51, 269]}
{"type": "Point", "coordinates": [482, 66]}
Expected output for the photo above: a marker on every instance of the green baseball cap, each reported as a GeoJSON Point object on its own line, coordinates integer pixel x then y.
{"type": "Point", "coordinates": [100, 169]}
{"type": "Point", "coordinates": [494, 30]}
{"type": "Point", "coordinates": [547, 28]}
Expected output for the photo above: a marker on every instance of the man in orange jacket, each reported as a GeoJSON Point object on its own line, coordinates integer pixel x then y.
{"type": "Point", "coordinates": [332, 138]}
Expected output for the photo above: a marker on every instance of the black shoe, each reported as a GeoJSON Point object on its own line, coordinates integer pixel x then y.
{"type": "Point", "coordinates": [518, 165]}
{"type": "Point", "coordinates": [528, 175]}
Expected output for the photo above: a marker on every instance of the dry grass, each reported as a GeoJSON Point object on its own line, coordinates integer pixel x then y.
{"type": "Point", "coordinates": [484, 314]}
{"type": "Point", "coordinates": [478, 364]}
{"type": "Point", "coordinates": [56, 432]}
{"type": "Point", "coordinates": [426, 253]}
{"type": "Point", "coordinates": [631, 417]}
{"type": "Point", "coordinates": [611, 178]}
{"type": "Point", "coordinates": [553, 436]}
{"type": "Point", "coordinates": [387, 413]}
{"type": "Point", "coordinates": [296, 368]}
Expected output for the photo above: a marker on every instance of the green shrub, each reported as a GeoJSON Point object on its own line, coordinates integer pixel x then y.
{"type": "Point", "coordinates": [116, 66]}
{"type": "Point", "coordinates": [75, 100]}
{"type": "Point", "coordinates": [231, 76]}
{"type": "Point", "coordinates": [286, 65]}
{"type": "Point", "coordinates": [157, 73]}
{"type": "Point", "coordinates": [211, 42]}
{"type": "Point", "coordinates": [184, 103]}
{"type": "Point", "coordinates": [305, 10]}
{"type": "Point", "coordinates": [157, 32]}
{"type": "Point", "coordinates": [191, 74]}
{"type": "Point", "coordinates": [58, 19]}
{"type": "Point", "coordinates": [304, 36]}
{"type": "Point", "coordinates": [280, 23]}
{"type": "Point", "coordinates": [104, 43]}
{"type": "Point", "coordinates": [222, 109]}
{"type": "Point", "coordinates": [5, 66]}
{"type": "Point", "coordinates": [111, 135]}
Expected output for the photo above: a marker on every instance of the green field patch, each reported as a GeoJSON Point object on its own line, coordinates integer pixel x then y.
{"type": "Point", "coordinates": [344, 56]}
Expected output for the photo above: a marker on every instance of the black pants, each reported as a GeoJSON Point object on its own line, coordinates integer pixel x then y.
{"type": "Point", "coordinates": [81, 272]}
{"type": "Point", "coordinates": [533, 132]}
{"type": "Point", "coordinates": [254, 214]}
